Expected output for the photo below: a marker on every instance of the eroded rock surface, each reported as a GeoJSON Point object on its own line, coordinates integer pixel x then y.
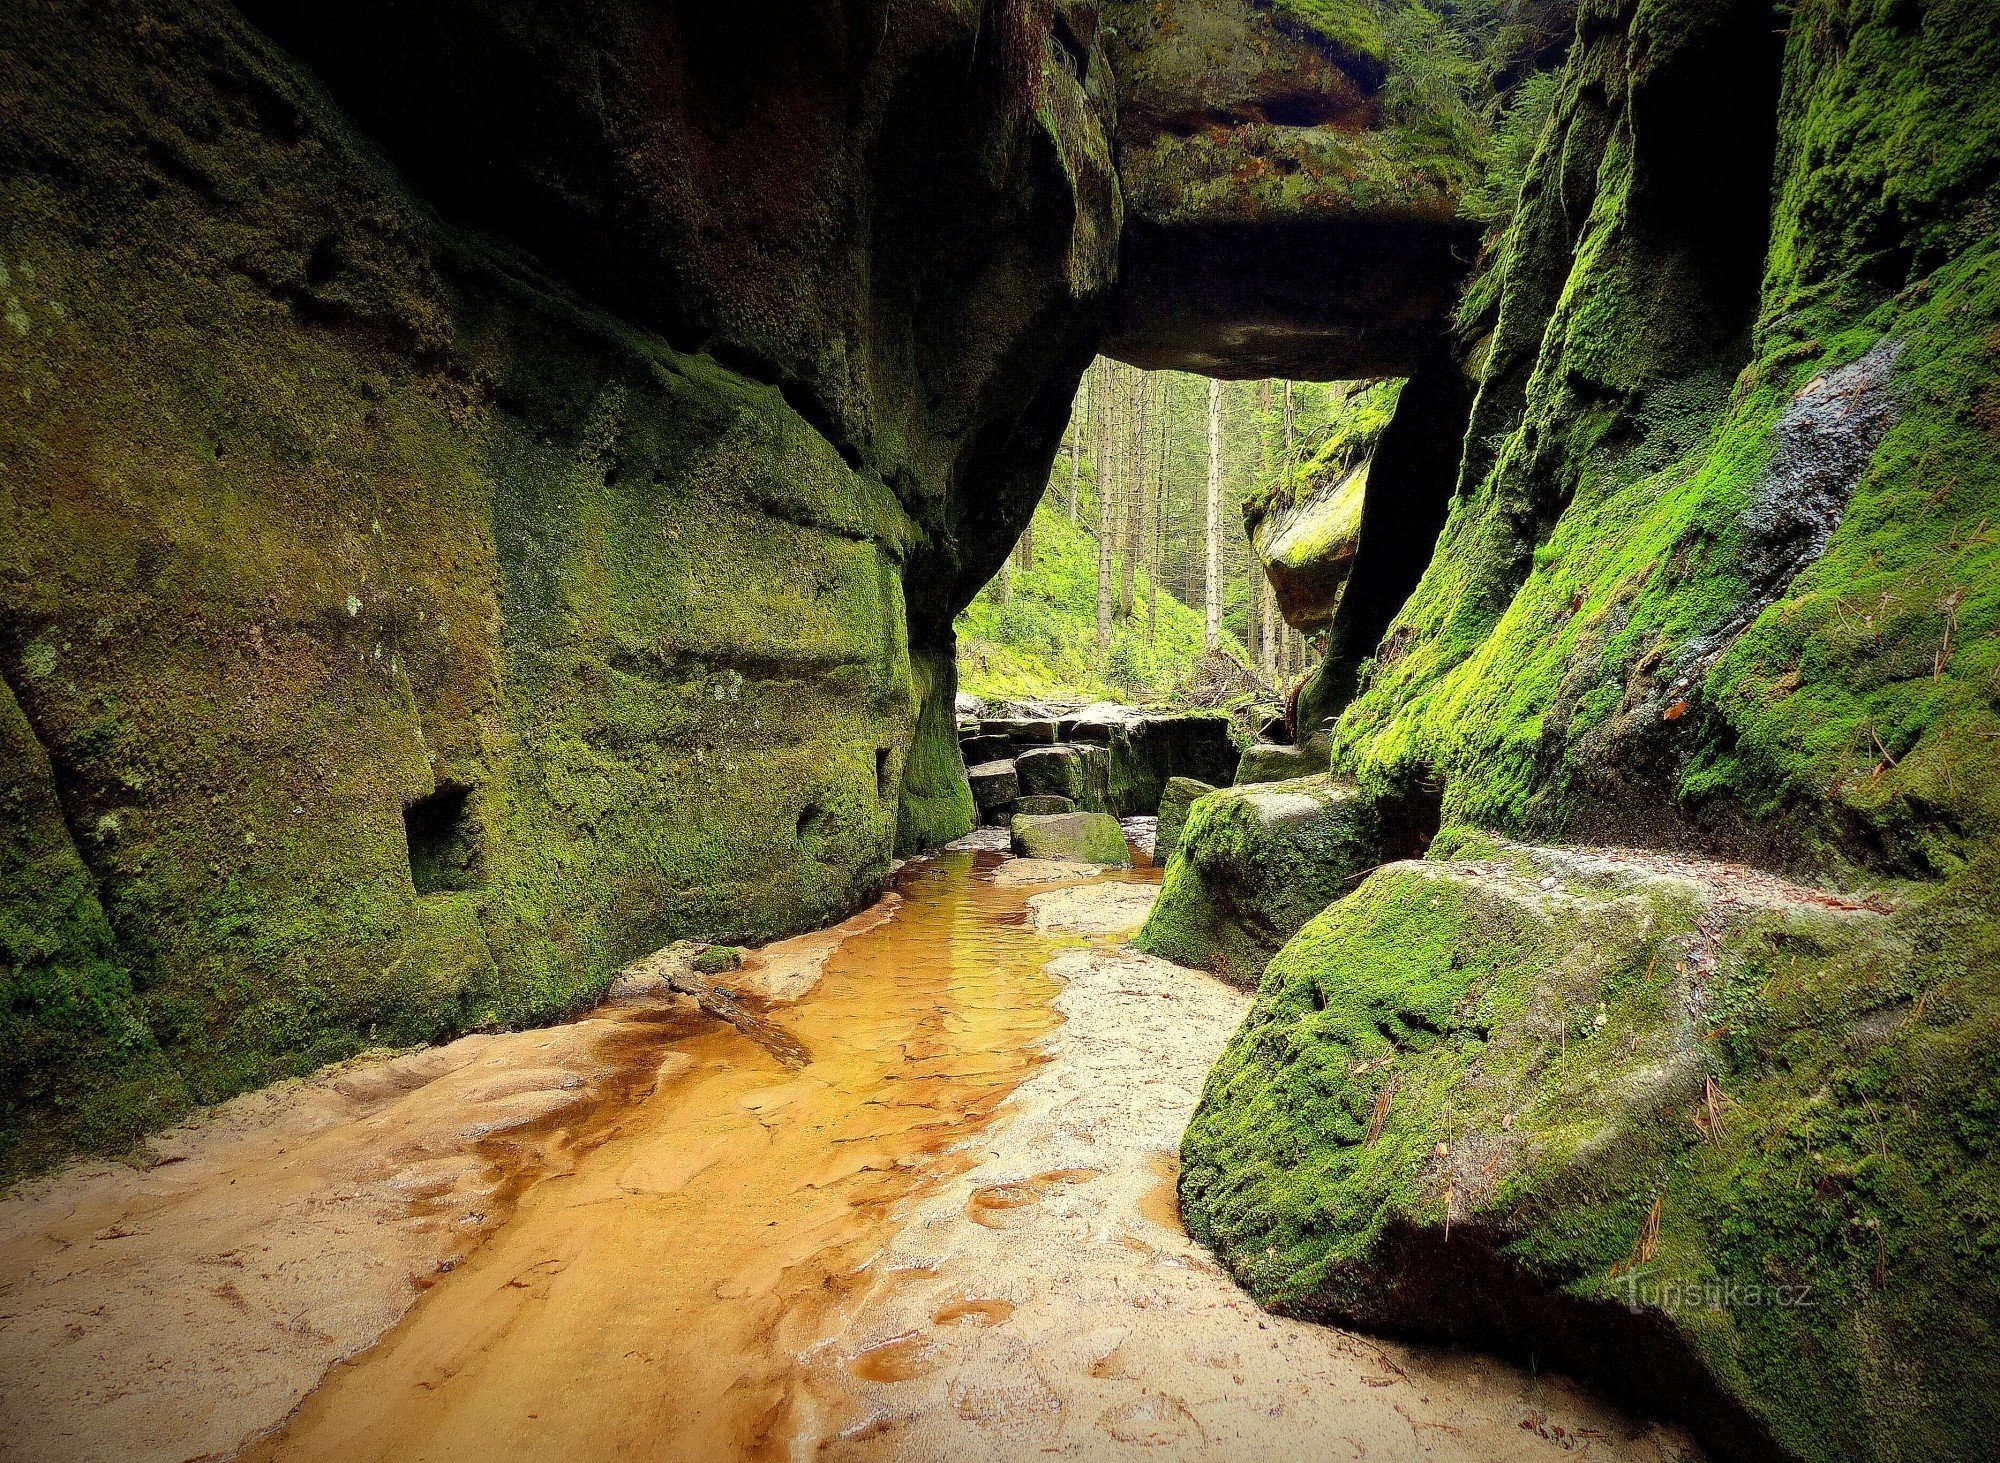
{"type": "Point", "coordinates": [1560, 1099]}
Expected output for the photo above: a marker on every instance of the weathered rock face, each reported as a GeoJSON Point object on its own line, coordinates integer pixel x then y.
{"type": "Point", "coordinates": [1718, 575]}
{"type": "Point", "coordinates": [405, 622]}
{"type": "Point", "coordinates": [1175, 802]}
{"type": "Point", "coordinates": [1280, 221]}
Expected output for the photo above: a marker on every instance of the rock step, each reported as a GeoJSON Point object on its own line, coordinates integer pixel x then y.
{"type": "Point", "coordinates": [1093, 838]}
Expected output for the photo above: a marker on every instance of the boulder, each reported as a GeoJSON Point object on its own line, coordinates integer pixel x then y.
{"type": "Point", "coordinates": [1608, 1105]}
{"type": "Point", "coordinates": [1077, 773]}
{"type": "Point", "coordinates": [994, 784]}
{"type": "Point", "coordinates": [1093, 838]}
{"type": "Point", "coordinates": [1272, 762]}
{"type": "Point", "coordinates": [1254, 864]}
{"type": "Point", "coordinates": [1042, 804]}
{"type": "Point", "coordinates": [1151, 749]}
{"type": "Point", "coordinates": [1020, 728]}
{"type": "Point", "coordinates": [1306, 546]}
{"type": "Point", "coordinates": [980, 748]}
{"type": "Point", "coordinates": [1175, 802]}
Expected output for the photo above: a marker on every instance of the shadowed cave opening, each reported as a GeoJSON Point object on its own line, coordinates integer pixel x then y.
{"type": "Point", "coordinates": [443, 839]}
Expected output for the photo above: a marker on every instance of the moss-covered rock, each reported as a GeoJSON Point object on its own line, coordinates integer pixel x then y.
{"type": "Point", "coordinates": [934, 801]}
{"type": "Point", "coordinates": [1147, 750]}
{"type": "Point", "coordinates": [1279, 762]}
{"type": "Point", "coordinates": [1253, 865]}
{"type": "Point", "coordinates": [1092, 838]}
{"type": "Point", "coordinates": [396, 643]}
{"type": "Point", "coordinates": [1680, 1125]}
{"type": "Point", "coordinates": [1175, 801]}
{"type": "Point", "coordinates": [994, 785]}
{"type": "Point", "coordinates": [1719, 573]}
{"type": "Point", "coordinates": [1306, 548]}
{"type": "Point", "coordinates": [1043, 804]}
{"type": "Point", "coordinates": [1074, 772]}
{"type": "Point", "coordinates": [718, 959]}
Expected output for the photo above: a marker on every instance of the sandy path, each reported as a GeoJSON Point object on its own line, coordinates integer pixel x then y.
{"type": "Point", "coordinates": [1048, 1303]}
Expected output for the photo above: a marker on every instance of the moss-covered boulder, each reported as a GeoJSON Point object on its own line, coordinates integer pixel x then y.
{"type": "Point", "coordinates": [994, 785]}
{"type": "Point", "coordinates": [1683, 1126]}
{"type": "Point", "coordinates": [1175, 801]}
{"type": "Point", "coordinates": [1077, 772]}
{"type": "Point", "coordinates": [1043, 804]}
{"type": "Point", "coordinates": [1254, 864]}
{"type": "Point", "coordinates": [1307, 548]}
{"type": "Point", "coordinates": [1279, 762]}
{"type": "Point", "coordinates": [1092, 838]}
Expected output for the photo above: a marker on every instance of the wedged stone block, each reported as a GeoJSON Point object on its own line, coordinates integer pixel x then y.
{"type": "Point", "coordinates": [1020, 728]}
{"type": "Point", "coordinates": [1175, 801]}
{"type": "Point", "coordinates": [1093, 838]}
{"type": "Point", "coordinates": [1274, 762]}
{"type": "Point", "coordinates": [993, 784]}
{"type": "Point", "coordinates": [1254, 864]}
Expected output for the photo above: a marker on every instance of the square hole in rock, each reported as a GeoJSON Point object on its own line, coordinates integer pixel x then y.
{"type": "Point", "coordinates": [443, 840]}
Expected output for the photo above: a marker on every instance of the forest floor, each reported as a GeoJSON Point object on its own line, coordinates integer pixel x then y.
{"type": "Point", "coordinates": [951, 1233]}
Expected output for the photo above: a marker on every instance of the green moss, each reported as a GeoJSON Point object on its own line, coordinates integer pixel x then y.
{"type": "Point", "coordinates": [1608, 642]}
{"type": "Point", "coordinates": [1253, 865]}
{"type": "Point", "coordinates": [1522, 1047]}
{"type": "Point", "coordinates": [719, 959]}
{"type": "Point", "coordinates": [935, 802]}
{"type": "Point", "coordinates": [1094, 838]}
{"type": "Point", "coordinates": [388, 519]}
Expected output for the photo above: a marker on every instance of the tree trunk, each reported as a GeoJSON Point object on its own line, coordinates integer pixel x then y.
{"type": "Point", "coordinates": [1106, 517]}
{"type": "Point", "coordinates": [1131, 506]}
{"type": "Point", "coordinates": [1024, 550]}
{"type": "Point", "coordinates": [1154, 536]}
{"type": "Point", "coordinates": [1003, 582]}
{"type": "Point", "coordinates": [1212, 581]}
{"type": "Point", "coordinates": [1076, 428]}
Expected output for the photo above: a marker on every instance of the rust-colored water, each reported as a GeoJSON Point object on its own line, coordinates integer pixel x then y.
{"type": "Point", "coordinates": [651, 1300]}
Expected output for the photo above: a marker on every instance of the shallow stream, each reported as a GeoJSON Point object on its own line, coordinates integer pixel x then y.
{"type": "Point", "coordinates": [949, 1231]}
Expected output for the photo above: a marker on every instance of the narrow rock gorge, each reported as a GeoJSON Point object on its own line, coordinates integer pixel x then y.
{"type": "Point", "coordinates": [488, 490]}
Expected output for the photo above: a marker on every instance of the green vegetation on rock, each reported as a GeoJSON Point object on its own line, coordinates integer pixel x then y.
{"type": "Point", "coordinates": [1254, 864]}
{"type": "Point", "coordinates": [1630, 1089]}
{"type": "Point", "coordinates": [1092, 838]}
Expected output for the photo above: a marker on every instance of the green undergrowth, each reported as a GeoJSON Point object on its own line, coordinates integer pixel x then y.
{"type": "Point", "coordinates": [1043, 640]}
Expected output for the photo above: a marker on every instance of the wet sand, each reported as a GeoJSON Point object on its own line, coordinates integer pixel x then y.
{"type": "Point", "coordinates": [1047, 1302]}
{"type": "Point", "coordinates": [951, 1233]}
